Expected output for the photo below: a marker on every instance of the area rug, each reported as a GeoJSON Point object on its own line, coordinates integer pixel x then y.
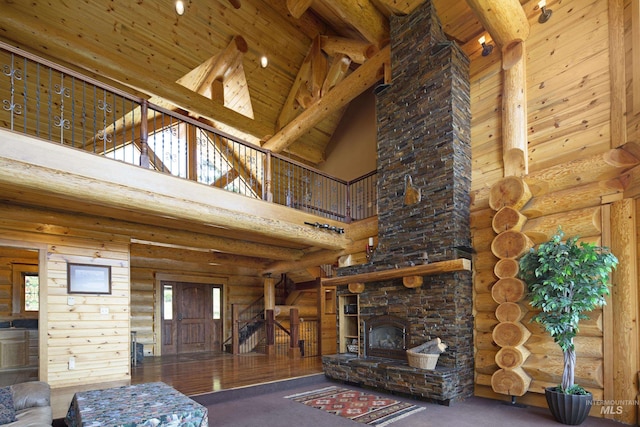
{"type": "Point", "coordinates": [356, 405]}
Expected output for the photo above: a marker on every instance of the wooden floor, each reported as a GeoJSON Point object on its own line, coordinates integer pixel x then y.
{"type": "Point", "coordinates": [206, 372]}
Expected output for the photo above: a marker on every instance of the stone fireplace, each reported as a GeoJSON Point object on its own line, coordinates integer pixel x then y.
{"type": "Point", "coordinates": [424, 181]}
{"type": "Point", "coordinates": [385, 336]}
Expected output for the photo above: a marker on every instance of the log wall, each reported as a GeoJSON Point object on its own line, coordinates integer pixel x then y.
{"type": "Point", "coordinates": [574, 175]}
{"type": "Point", "coordinates": [100, 343]}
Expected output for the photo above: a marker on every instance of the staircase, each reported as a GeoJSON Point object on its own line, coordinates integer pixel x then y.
{"type": "Point", "coordinates": [251, 320]}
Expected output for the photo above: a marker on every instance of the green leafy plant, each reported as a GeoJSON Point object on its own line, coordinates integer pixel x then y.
{"type": "Point", "coordinates": [566, 280]}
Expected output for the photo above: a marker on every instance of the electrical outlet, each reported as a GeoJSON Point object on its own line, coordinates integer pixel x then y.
{"type": "Point", "coordinates": [104, 310]}
{"type": "Point", "coordinates": [72, 363]}
{"type": "Point", "coordinates": [71, 300]}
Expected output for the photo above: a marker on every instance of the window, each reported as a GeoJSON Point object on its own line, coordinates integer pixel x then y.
{"type": "Point", "coordinates": [31, 292]}
{"type": "Point", "coordinates": [167, 302]}
{"type": "Point", "coordinates": [26, 289]}
{"type": "Point", "coordinates": [217, 303]}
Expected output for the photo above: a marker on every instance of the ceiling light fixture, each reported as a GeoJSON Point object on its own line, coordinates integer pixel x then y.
{"type": "Point", "coordinates": [486, 48]}
{"type": "Point", "coordinates": [180, 7]}
{"type": "Point", "coordinates": [545, 13]}
{"type": "Point", "coordinates": [264, 61]}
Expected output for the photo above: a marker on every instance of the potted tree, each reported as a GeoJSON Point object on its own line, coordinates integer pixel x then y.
{"type": "Point", "coordinates": [566, 280]}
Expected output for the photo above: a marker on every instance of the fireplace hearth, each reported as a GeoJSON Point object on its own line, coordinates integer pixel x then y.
{"type": "Point", "coordinates": [385, 336]}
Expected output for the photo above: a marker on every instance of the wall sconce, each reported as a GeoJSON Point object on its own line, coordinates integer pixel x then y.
{"type": "Point", "coordinates": [545, 13]}
{"type": "Point", "coordinates": [370, 249]}
{"type": "Point", "coordinates": [264, 61]}
{"type": "Point", "coordinates": [179, 7]}
{"type": "Point", "coordinates": [486, 48]}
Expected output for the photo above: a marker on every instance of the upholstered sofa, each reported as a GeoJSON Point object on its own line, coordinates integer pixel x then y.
{"type": "Point", "coordinates": [32, 404]}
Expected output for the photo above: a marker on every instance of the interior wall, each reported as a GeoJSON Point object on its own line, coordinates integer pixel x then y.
{"type": "Point", "coordinates": [84, 341]}
{"type": "Point", "coordinates": [569, 136]}
{"type": "Point", "coordinates": [351, 152]}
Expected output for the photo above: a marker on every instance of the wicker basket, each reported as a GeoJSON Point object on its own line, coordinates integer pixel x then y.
{"type": "Point", "coordinates": [422, 360]}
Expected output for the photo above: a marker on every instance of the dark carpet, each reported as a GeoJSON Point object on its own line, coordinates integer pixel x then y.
{"type": "Point", "coordinates": [265, 406]}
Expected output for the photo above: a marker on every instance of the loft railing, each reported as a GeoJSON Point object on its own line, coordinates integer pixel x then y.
{"type": "Point", "coordinates": [48, 101]}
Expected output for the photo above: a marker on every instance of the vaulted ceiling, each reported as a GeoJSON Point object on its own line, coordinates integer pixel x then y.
{"type": "Point", "coordinates": [207, 61]}
{"type": "Point", "coordinates": [321, 55]}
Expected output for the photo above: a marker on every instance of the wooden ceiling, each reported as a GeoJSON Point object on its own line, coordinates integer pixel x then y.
{"type": "Point", "coordinates": [207, 61]}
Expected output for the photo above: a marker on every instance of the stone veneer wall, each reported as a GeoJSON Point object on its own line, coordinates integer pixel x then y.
{"type": "Point", "coordinates": [424, 123]}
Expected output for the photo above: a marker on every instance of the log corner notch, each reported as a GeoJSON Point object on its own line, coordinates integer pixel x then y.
{"type": "Point", "coordinates": [507, 197]}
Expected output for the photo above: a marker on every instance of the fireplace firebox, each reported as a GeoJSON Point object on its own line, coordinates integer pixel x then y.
{"type": "Point", "coordinates": [385, 336]}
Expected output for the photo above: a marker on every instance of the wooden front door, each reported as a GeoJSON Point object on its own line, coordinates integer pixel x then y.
{"type": "Point", "coordinates": [191, 318]}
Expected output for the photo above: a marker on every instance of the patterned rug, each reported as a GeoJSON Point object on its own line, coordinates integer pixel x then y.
{"type": "Point", "coordinates": [356, 405]}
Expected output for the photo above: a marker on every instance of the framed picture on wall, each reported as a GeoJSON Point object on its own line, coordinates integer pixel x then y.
{"type": "Point", "coordinates": [88, 279]}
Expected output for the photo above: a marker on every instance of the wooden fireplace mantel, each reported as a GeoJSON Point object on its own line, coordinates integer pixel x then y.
{"type": "Point", "coordinates": [404, 272]}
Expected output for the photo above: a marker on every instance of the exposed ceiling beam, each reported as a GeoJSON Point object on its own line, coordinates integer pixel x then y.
{"type": "Point", "coordinates": [404, 7]}
{"type": "Point", "coordinates": [344, 92]}
{"type": "Point", "coordinates": [505, 20]}
{"type": "Point", "coordinates": [364, 17]}
{"type": "Point", "coordinates": [356, 50]}
{"type": "Point", "coordinates": [298, 7]}
{"type": "Point", "coordinates": [143, 233]}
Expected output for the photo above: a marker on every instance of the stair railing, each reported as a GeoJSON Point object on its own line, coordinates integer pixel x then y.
{"type": "Point", "coordinates": [245, 322]}
{"type": "Point", "coordinates": [271, 324]}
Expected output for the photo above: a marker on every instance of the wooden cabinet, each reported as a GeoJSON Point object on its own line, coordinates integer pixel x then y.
{"type": "Point", "coordinates": [349, 323]}
{"type": "Point", "coordinates": [14, 348]}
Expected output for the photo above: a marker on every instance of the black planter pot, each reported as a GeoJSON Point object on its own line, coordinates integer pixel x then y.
{"type": "Point", "coordinates": [569, 409]}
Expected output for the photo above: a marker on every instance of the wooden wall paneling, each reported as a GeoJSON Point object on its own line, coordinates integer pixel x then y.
{"type": "Point", "coordinates": [624, 299]}
{"type": "Point", "coordinates": [617, 71]}
{"type": "Point", "coordinates": [85, 315]}
{"type": "Point", "coordinates": [607, 319]}
{"type": "Point", "coordinates": [633, 64]}
{"type": "Point", "coordinates": [142, 308]}
{"type": "Point", "coordinates": [557, 54]}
